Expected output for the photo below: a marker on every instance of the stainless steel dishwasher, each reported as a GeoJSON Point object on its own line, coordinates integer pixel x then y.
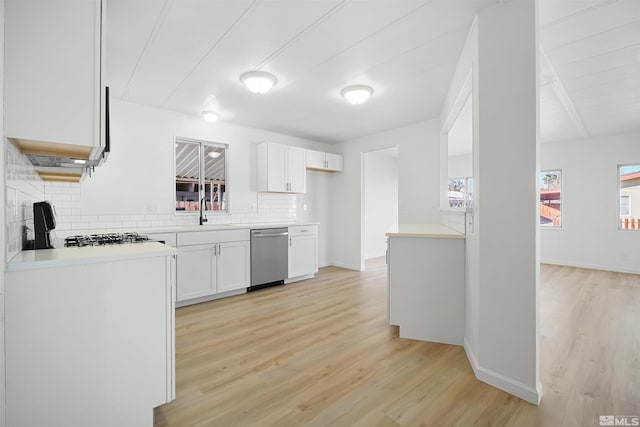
{"type": "Point", "coordinates": [269, 257]}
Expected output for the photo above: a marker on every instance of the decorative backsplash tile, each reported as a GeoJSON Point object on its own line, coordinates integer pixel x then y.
{"type": "Point", "coordinates": [23, 187]}
{"type": "Point", "coordinates": [67, 197]}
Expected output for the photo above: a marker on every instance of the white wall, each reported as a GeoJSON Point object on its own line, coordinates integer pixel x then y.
{"type": "Point", "coordinates": [2, 221]}
{"type": "Point", "coordinates": [501, 328]}
{"type": "Point", "coordinates": [143, 146]}
{"type": "Point", "coordinates": [460, 166]}
{"type": "Point", "coordinates": [380, 199]}
{"type": "Point", "coordinates": [507, 135]}
{"type": "Point", "coordinates": [315, 206]}
{"type": "Point", "coordinates": [418, 186]}
{"type": "Point", "coordinates": [589, 236]}
{"type": "Point", "coordinates": [135, 186]}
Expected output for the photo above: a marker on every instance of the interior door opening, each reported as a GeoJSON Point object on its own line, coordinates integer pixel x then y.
{"type": "Point", "coordinates": [380, 172]}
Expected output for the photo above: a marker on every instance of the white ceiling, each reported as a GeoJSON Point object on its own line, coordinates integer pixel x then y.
{"type": "Point", "coordinates": [590, 85]}
{"type": "Point", "coordinates": [187, 55]}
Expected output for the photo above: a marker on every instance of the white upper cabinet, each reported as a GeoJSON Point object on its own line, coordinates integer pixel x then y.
{"type": "Point", "coordinates": [334, 162]}
{"type": "Point", "coordinates": [54, 93]}
{"type": "Point", "coordinates": [322, 161]}
{"type": "Point", "coordinates": [297, 171]}
{"type": "Point", "coordinates": [316, 159]}
{"type": "Point", "coordinates": [281, 168]}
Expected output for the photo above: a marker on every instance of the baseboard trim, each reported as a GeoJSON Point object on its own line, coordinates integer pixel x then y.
{"type": "Point", "coordinates": [590, 266]}
{"type": "Point", "coordinates": [347, 266]}
{"type": "Point", "coordinates": [210, 297]}
{"type": "Point", "coordinates": [501, 382]}
{"type": "Point", "coordinates": [298, 279]}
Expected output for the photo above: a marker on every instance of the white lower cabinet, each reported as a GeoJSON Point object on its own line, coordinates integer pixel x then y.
{"type": "Point", "coordinates": [197, 271]}
{"type": "Point", "coordinates": [89, 344]}
{"type": "Point", "coordinates": [233, 266]}
{"type": "Point", "coordinates": [210, 269]}
{"type": "Point", "coordinates": [426, 288]}
{"type": "Point", "coordinates": [303, 251]}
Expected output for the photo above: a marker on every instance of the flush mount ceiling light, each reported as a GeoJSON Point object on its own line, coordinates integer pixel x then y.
{"type": "Point", "coordinates": [214, 154]}
{"type": "Point", "coordinates": [357, 94]}
{"type": "Point", "coordinates": [210, 116]}
{"type": "Point", "coordinates": [258, 81]}
{"type": "Point", "coordinates": [79, 161]}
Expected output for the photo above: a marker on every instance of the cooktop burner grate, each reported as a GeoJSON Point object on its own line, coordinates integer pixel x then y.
{"type": "Point", "coordinates": [105, 239]}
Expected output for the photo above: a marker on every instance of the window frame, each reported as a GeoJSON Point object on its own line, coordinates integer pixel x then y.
{"type": "Point", "coordinates": [546, 226]}
{"type": "Point", "coordinates": [201, 175]}
{"type": "Point", "coordinates": [619, 216]}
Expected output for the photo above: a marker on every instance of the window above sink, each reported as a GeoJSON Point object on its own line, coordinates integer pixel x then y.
{"type": "Point", "coordinates": [200, 176]}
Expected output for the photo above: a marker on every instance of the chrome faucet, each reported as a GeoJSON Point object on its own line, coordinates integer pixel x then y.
{"type": "Point", "coordinates": [202, 218]}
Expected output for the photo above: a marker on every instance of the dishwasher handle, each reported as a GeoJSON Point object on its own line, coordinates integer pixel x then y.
{"type": "Point", "coordinates": [260, 234]}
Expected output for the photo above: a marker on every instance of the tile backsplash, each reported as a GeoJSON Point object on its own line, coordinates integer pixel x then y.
{"type": "Point", "coordinates": [23, 187]}
{"type": "Point", "coordinates": [67, 199]}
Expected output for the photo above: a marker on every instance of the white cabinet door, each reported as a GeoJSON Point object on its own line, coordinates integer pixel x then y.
{"type": "Point", "coordinates": [277, 178]}
{"type": "Point", "coordinates": [272, 168]}
{"type": "Point", "coordinates": [297, 170]}
{"type": "Point", "coordinates": [315, 159]}
{"type": "Point", "coordinates": [322, 161]}
{"type": "Point", "coordinates": [281, 168]}
{"type": "Point", "coordinates": [197, 271]}
{"type": "Point", "coordinates": [334, 162]}
{"type": "Point", "coordinates": [302, 256]}
{"type": "Point", "coordinates": [53, 68]}
{"type": "Point", "coordinates": [233, 266]}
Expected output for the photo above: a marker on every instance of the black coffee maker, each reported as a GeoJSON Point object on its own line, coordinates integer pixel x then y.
{"type": "Point", "coordinates": [44, 221]}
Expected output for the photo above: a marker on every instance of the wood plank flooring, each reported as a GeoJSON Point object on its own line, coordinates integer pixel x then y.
{"type": "Point", "coordinates": [320, 353]}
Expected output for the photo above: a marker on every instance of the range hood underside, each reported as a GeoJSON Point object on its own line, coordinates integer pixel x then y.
{"type": "Point", "coordinates": [51, 149]}
{"type": "Point", "coordinates": [55, 162]}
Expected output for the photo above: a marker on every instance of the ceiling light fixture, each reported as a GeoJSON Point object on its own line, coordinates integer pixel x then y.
{"type": "Point", "coordinates": [214, 154]}
{"type": "Point", "coordinates": [79, 161]}
{"type": "Point", "coordinates": [210, 116]}
{"type": "Point", "coordinates": [357, 94]}
{"type": "Point", "coordinates": [258, 81]}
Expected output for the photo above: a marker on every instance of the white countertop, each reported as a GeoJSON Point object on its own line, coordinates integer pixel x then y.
{"type": "Point", "coordinates": [61, 234]}
{"type": "Point", "coordinates": [437, 231]}
{"type": "Point", "coordinates": [48, 258]}
{"type": "Point", "coordinates": [276, 225]}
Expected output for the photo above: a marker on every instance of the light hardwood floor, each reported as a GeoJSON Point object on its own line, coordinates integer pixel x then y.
{"type": "Point", "coordinates": [320, 353]}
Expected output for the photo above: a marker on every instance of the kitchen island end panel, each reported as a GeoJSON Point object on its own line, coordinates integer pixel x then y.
{"type": "Point", "coordinates": [90, 344]}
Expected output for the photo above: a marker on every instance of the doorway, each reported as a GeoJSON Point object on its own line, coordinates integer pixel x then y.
{"type": "Point", "coordinates": [380, 199]}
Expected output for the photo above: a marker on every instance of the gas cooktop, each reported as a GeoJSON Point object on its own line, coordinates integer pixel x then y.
{"type": "Point", "coordinates": [105, 239]}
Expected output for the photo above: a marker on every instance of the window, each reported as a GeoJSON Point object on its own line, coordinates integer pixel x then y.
{"type": "Point", "coordinates": [460, 192]}
{"type": "Point", "coordinates": [200, 176]}
{"type": "Point", "coordinates": [629, 190]}
{"type": "Point", "coordinates": [551, 198]}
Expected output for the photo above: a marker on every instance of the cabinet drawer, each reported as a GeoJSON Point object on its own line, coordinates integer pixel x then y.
{"type": "Point", "coordinates": [303, 230]}
{"type": "Point", "coordinates": [217, 236]}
